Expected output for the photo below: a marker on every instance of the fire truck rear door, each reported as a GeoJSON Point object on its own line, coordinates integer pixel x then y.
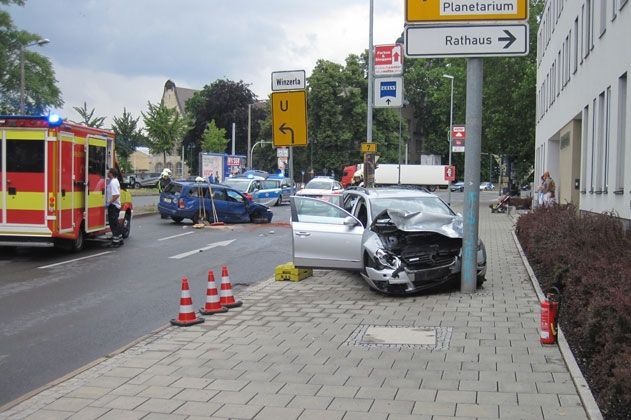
{"type": "Point", "coordinates": [23, 187]}
{"type": "Point", "coordinates": [66, 195]}
{"type": "Point", "coordinates": [95, 183]}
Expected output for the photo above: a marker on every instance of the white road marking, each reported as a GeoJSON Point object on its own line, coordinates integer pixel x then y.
{"type": "Point", "coordinates": [197, 251]}
{"type": "Point", "coordinates": [76, 259]}
{"type": "Point", "coordinates": [175, 236]}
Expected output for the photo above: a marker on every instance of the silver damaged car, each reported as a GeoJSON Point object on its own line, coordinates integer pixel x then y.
{"type": "Point", "coordinates": [400, 240]}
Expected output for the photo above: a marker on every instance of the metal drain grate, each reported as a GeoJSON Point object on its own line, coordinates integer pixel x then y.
{"type": "Point", "coordinates": [400, 337]}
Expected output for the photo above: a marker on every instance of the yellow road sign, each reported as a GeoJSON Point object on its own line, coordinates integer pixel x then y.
{"type": "Point", "coordinates": [369, 147]}
{"type": "Point", "coordinates": [460, 10]}
{"type": "Point", "coordinates": [289, 118]}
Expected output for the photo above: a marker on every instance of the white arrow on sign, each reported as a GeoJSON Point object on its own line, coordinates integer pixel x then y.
{"type": "Point", "coordinates": [466, 40]}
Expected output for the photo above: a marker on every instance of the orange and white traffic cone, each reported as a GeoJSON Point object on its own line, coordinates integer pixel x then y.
{"type": "Point", "coordinates": [225, 294]}
{"type": "Point", "coordinates": [187, 315]}
{"type": "Point", "coordinates": [212, 298]}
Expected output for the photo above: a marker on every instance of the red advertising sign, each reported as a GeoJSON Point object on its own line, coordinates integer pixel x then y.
{"type": "Point", "coordinates": [388, 59]}
{"type": "Point", "coordinates": [458, 132]}
{"type": "Point", "coordinates": [450, 173]}
{"type": "Point", "coordinates": [234, 161]}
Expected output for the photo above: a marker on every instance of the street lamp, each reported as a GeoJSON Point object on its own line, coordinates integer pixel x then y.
{"type": "Point", "coordinates": [451, 126]}
{"type": "Point", "coordinates": [39, 42]}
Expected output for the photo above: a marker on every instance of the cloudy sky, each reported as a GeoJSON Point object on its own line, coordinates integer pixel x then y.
{"type": "Point", "coordinates": [119, 53]}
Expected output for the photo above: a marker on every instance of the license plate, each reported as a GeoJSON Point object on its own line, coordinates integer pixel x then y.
{"type": "Point", "coordinates": [166, 200]}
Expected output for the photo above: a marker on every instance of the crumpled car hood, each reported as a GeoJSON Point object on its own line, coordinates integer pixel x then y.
{"type": "Point", "coordinates": [450, 226]}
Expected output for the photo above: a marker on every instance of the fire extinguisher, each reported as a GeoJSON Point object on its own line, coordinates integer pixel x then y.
{"type": "Point", "coordinates": [550, 315]}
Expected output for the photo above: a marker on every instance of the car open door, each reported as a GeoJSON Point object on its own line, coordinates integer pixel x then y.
{"type": "Point", "coordinates": [324, 235]}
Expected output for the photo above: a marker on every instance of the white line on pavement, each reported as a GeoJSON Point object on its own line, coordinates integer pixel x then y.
{"type": "Point", "coordinates": [76, 259]}
{"type": "Point", "coordinates": [197, 251]}
{"type": "Point", "coordinates": [175, 236]}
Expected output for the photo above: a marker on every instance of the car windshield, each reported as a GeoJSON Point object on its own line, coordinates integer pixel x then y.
{"type": "Point", "coordinates": [173, 188]}
{"type": "Point", "coordinates": [239, 184]}
{"type": "Point", "coordinates": [318, 184]}
{"type": "Point", "coordinates": [269, 184]}
{"type": "Point", "coordinates": [410, 205]}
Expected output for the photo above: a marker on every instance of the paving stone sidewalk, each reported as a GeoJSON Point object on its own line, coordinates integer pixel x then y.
{"type": "Point", "coordinates": [304, 351]}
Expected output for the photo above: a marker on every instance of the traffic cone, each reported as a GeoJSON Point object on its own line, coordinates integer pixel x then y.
{"type": "Point", "coordinates": [212, 298]}
{"type": "Point", "coordinates": [187, 316]}
{"type": "Point", "coordinates": [225, 294]}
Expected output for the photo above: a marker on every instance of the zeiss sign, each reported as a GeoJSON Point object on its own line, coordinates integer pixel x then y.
{"type": "Point", "coordinates": [388, 92]}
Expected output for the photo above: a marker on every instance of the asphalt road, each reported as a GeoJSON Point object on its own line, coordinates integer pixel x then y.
{"type": "Point", "coordinates": [61, 311]}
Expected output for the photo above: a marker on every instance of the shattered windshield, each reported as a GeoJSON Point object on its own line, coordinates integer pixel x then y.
{"type": "Point", "coordinates": [410, 205]}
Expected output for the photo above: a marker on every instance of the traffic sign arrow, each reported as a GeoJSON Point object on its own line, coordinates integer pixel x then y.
{"type": "Point", "coordinates": [510, 38]}
{"type": "Point", "coordinates": [285, 129]}
{"type": "Point", "coordinates": [388, 101]}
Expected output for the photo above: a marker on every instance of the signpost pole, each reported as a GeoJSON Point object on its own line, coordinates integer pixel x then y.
{"type": "Point", "coordinates": [291, 163]}
{"type": "Point", "coordinates": [369, 157]}
{"type": "Point", "coordinates": [472, 175]}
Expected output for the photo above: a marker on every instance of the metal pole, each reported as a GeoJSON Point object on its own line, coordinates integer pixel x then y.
{"type": "Point", "coordinates": [234, 146]}
{"type": "Point", "coordinates": [451, 126]}
{"type": "Point", "coordinates": [291, 163]}
{"type": "Point", "coordinates": [369, 158]}
{"type": "Point", "coordinates": [472, 175]}
{"type": "Point", "coordinates": [182, 168]}
{"type": "Point", "coordinates": [400, 118]}
{"type": "Point", "coordinates": [21, 80]}
{"type": "Point", "coordinates": [249, 135]}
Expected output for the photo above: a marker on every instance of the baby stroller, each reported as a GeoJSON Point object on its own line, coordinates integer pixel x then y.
{"type": "Point", "coordinates": [501, 205]}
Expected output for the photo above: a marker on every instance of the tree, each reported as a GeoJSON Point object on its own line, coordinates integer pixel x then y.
{"type": "Point", "coordinates": [165, 128]}
{"type": "Point", "coordinates": [87, 117]}
{"type": "Point", "coordinates": [214, 139]}
{"type": "Point", "coordinates": [41, 91]}
{"type": "Point", "coordinates": [128, 136]}
{"type": "Point", "coordinates": [225, 102]}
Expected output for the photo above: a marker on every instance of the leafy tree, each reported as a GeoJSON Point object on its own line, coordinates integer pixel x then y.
{"type": "Point", "coordinates": [225, 102]}
{"type": "Point", "coordinates": [165, 128]}
{"type": "Point", "coordinates": [41, 91]}
{"type": "Point", "coordinates": [214, 138]}
{"type": "Point", "coordinates": [128, 136]}
{"type": "Point", "coordinates": [87, 117]}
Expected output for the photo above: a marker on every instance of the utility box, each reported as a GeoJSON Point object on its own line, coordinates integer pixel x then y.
{"type": "Point", "coordinates": [289, 272]}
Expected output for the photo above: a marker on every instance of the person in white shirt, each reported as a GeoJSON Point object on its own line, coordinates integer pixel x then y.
{"type": "Point", "coordinates": [113, 204]}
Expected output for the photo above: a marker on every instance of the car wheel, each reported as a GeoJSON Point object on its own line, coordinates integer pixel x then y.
{"type": "Point", "coordinates": [72, 245]}
{"type": "Point", "coordinates": [137, 185]}
{"type": "Point", "coordinates": [126, 229]}
{"type": "Point", "coordinates": [177, 219]}
{"type": "Point", "coordinates": [279, 201]}
{"type": "Point", "coordinates": [257, 218]}
{"type": "Point", "coordinates": [195, 218]}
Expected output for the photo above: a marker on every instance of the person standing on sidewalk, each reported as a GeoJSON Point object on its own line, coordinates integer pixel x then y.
{"type": "Point", "coordinates": [549, 188]}
{"type": "Point", "coordinates": [113, 203]}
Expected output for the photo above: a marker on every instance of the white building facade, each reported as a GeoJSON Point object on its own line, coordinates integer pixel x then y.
{"type": "Point", "coordinates": [583, 134]}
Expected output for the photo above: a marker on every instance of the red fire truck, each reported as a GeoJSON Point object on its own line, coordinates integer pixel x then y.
{"type": "Point", "coordinates": [52, 183]}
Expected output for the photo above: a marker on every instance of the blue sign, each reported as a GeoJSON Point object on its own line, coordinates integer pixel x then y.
{"type": "Point", "coordinates": [388, 88]}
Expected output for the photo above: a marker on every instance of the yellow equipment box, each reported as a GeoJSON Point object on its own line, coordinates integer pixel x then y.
{"type": "Point", "coordinates": [289, 272]}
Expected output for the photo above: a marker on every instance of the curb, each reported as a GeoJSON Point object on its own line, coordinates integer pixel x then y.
{"type": "Point", "coordinates": [581, 385]}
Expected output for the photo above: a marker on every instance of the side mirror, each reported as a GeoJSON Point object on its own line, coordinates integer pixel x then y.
{"type": "Point", "coordinates": [350, 221]}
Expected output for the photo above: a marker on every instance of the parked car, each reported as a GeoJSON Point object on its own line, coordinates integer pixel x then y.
{"type": "Point", "coordinates": [192, 200]}
{"type": "Point", "coordinates": [287, 185]}
{"type": "Point", "coordinates": [257, 189]}
{"type": "Point", "coordinates": [400, 240]}
{"type": "Point", "coordinates": [321, 185]}
{"type": "Point", "coordinates": [458, 186]}
{"type": "Point", "coordinates": [146, 179]}
{"type": "Point", "coordinates": [487, 186]}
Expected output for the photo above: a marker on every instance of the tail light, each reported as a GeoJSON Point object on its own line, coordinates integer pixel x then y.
{"type": "Point", "coordinates": [180, 203]}
{"type": "Point", "coordinates": [248, 196]}
{"type": "Point", "coordinates": [51, 202]}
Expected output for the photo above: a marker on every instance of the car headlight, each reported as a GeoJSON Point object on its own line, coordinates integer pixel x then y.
{"type": "Point", "coordinates": [387, 259]}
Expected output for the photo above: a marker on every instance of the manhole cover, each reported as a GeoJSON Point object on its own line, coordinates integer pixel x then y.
{"type": "Point", "coordinates": [401, 335]}
{"type": "Point", "coordinates": [428, 338]}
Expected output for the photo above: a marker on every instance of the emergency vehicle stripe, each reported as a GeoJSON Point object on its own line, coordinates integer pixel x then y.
{"type": "Point", "coordinates": [26, 201]}
{"type": "Point", "coordinates": [26, 216]}
{"type": "Point", "coordinates": [97, 142]}
{"type": "Point", "coordinates": [26, 134]}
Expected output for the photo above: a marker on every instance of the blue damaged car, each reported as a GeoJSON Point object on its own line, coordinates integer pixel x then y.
{"type": "Point", "coordinates": [193, 200]}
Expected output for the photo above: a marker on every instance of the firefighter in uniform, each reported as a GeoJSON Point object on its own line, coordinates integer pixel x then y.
{"type": "Point", "coordinates": [112, 199]}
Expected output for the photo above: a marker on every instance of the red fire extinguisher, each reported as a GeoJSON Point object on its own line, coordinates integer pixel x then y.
{"type": "Point", "coordinates": [549, 316]}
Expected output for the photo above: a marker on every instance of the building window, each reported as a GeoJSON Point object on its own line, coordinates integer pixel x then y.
{"type": "Point", "coordinates": [614, 9]}
{"type": "Point", "coordinates": [599, 141]}
{"type": "Point", "coordinates": [592, 141]}
{"type": "Point", "coordinates": [591, 24]}
{"type": "Point", "coordinates": [621, 134]}
{"type": "Point", "coordinates": [605, 157]}
{"type": "Point", "coordinates": [575, 62]}
{"type": "Point", "coordinates": [603, 17]}
{"type": "Point", "coordinates": [584, 142]}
